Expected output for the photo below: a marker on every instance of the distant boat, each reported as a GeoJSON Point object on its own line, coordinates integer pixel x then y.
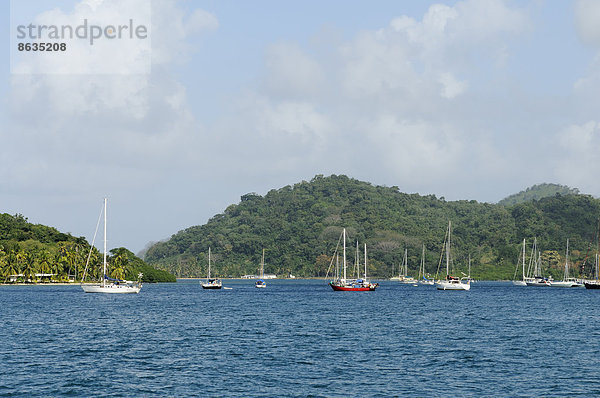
{"type": "Point", "coordinates": [260, 283]}
{"type": "Point", "coordinates": [537, 279]}
{"type": "Point", "coordinates": [522, 282]}
{"type": "Point", "coordinates": [567, 281]}
{"type": "Point", "coordinates": [109, 285]}
{"type": "Point", "coordinates": [404, 278]}
{"type": "Point", "coordinates": [211, 283]}
{"type": "Point", "coordinates": [594, 283]}
{"type": "Point", "coordinates": [452, 282]}
{"type": "Point", "coordinates": [351, 285]}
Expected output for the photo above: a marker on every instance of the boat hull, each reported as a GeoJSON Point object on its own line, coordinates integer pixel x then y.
{"type": "Point", "coordinates": [592, 285]}
{"type": "Point", "coordinates": [111, 289]}
{"type": "Point", "coordinates": [453, 286]}
{"type": "Point", "coordinates": [338, 288]}
{"type": "Point", "coordinates": [538, 284]}
{"type": "Point", "coordinates": [519, 283]}
{"type": "Point", "coordinates": [211, 287]}
{"type": "Point", "coordinates": [565, 284]}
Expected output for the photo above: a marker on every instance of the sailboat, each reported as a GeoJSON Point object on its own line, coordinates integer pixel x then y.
{"type": "Point", "coordinates": [211, 283]}
{"type": "Point", "coordinates": [452, 282]}
{"type": "Point", "coordinates": [537, 280]}
{"type": "Point", "coordinates": [352, 285]}
{"type": "Point", "coordinates": [522, 282]}
{"type": "Point", "coordinates": [595, 283]}
{"type": "Point", "coordinates": [404, 278]}
{"type": "Point", "coordinates": [567, 282]}
{"type": "Point", "coordinates": [260, 283]}
{"type": "Point", "coordinates": [110, 285]}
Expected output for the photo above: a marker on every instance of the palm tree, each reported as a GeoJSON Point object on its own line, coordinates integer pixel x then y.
{"type": "Point", "coordinates": [118, 273]}
{"type": "Point", "coordinates": [44, 262]}
{"type": "Point", "coordinates": [119, 263]}
{"type": "Point", "coordinates": [11, 267]}
{"type": "Point", "coordinates": [28, 262]}
{"type": "Point", "coordinates": [3, 264]}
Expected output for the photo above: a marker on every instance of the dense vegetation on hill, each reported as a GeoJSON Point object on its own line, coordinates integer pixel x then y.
{"type": "Point", "coordinates": [537, 192]}
{"type": "Point", "coordinates": [28, 249]}
{"type": "Point", "coordinates": [299, 226]}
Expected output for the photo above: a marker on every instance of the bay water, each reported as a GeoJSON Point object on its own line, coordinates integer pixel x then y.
{"type": "Point", "coordinates": [299, 338]}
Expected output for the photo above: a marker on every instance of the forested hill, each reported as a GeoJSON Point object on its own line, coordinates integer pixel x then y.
{"type": "Point", "coordinates": [537, 192]}
{"type": "Point", "coordinates": [28, 249]}
{"type": "Point", "coordinates": [299, 227]}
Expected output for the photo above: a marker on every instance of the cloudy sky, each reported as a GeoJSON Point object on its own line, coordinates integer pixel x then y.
{"type": "Point", "coordinates": [474, 99]}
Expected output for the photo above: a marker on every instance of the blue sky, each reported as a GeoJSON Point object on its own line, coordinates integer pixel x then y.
{"type": "Point", "coordinates": [473, 99]}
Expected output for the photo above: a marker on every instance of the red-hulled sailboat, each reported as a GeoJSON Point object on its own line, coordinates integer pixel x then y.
{"type": "Point", "coordinates": [351, 285]}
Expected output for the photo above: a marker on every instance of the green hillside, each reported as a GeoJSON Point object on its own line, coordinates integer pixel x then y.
{"type": "Point", "coordinates": [29, 249]}
{"type": "Point", "coordinates": [537, 192]}
{"type": "Point", "coordinates": [299, 227]}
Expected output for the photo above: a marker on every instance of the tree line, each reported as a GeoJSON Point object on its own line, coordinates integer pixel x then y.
{"type": "Point", "coordinates": [299, 227]}
{"type": "Point", "coordinates": [33, 253]}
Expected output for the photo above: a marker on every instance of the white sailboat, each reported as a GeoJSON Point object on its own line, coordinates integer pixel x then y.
{"type": "Point", "coordinates": [260, 283]}
{"type": "Point", "coordinates": [452, 282]}
{"type": "Point", "coordinates": [211, 283]}
{"type": "Point", "coordinates": [522, 282]}
{"type": "Point", "coordinates": [536, 279]}
{"type": "Point", "coordinates": [110, 285]}
{"type": "Point", "coordinates": [405, 278]}
{"type": "Point", "coordinates": [567, 282]}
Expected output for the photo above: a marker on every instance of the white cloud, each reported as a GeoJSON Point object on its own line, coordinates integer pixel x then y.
{"type": "Point", "coordinates": [291, 73]}
{"type": "Point", "coordinates": [409, 55]}
{"type": "Point", "coordinates": [416, 150]}
{"type": "Point", "coordinates": [451, 87]}
{"type": "Point", "coordinates": [587, 15]}
{"type": "Point", "coordinates": [392, 102]}
{"type": "Point", "coordinates": [199, 21]}
{"type": "Point", "coordinates": [578, 162]}
{"type": "Point", "coordinates": [82, 31]}
{"type": "Point", "coordinates": [125, 126]}
{"type": "Point", "coordinates": [173, 28]}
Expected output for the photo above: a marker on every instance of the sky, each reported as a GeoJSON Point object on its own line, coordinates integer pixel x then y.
{"type": "Point", "coordinates": [473, 99]}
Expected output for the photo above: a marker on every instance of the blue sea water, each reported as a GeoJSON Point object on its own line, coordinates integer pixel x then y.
{"type": "Point", "coordinates": [298, 338]}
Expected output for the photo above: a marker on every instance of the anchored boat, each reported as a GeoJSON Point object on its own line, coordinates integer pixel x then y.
{"type": "Point", "coordinates": [109, 285]}
{"type": "Point", "coordinates": [351, 285]}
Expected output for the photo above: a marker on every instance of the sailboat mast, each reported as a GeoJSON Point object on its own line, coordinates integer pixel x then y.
{"type": "Point", "coordinates": [344, 232]}
{"type": "Point", "coordinates": [523, 258]}
{"type": "Point", "coordinates": [422, 269]}
{"type": "Point", "coordinates": [104, 262]}
{"type": "Point", "coordinates": [262, 265]}
{"type": "Point", "coordinates": [448, 250]}
{"type": "Point", "coordinates": [469, 267]}
{"type": "Point", "coordinates": [597, 251]}
{"type": "Point", "coordinates": [567, 262]}
{"type": "Point", "coordinates": [357, 261]}
{"type": "Point", "coordinates": [209, 263]}
{"type": "Point", "coordinates": [405, 262]}
{"type": "Point", "coordinates": [365, 261]}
